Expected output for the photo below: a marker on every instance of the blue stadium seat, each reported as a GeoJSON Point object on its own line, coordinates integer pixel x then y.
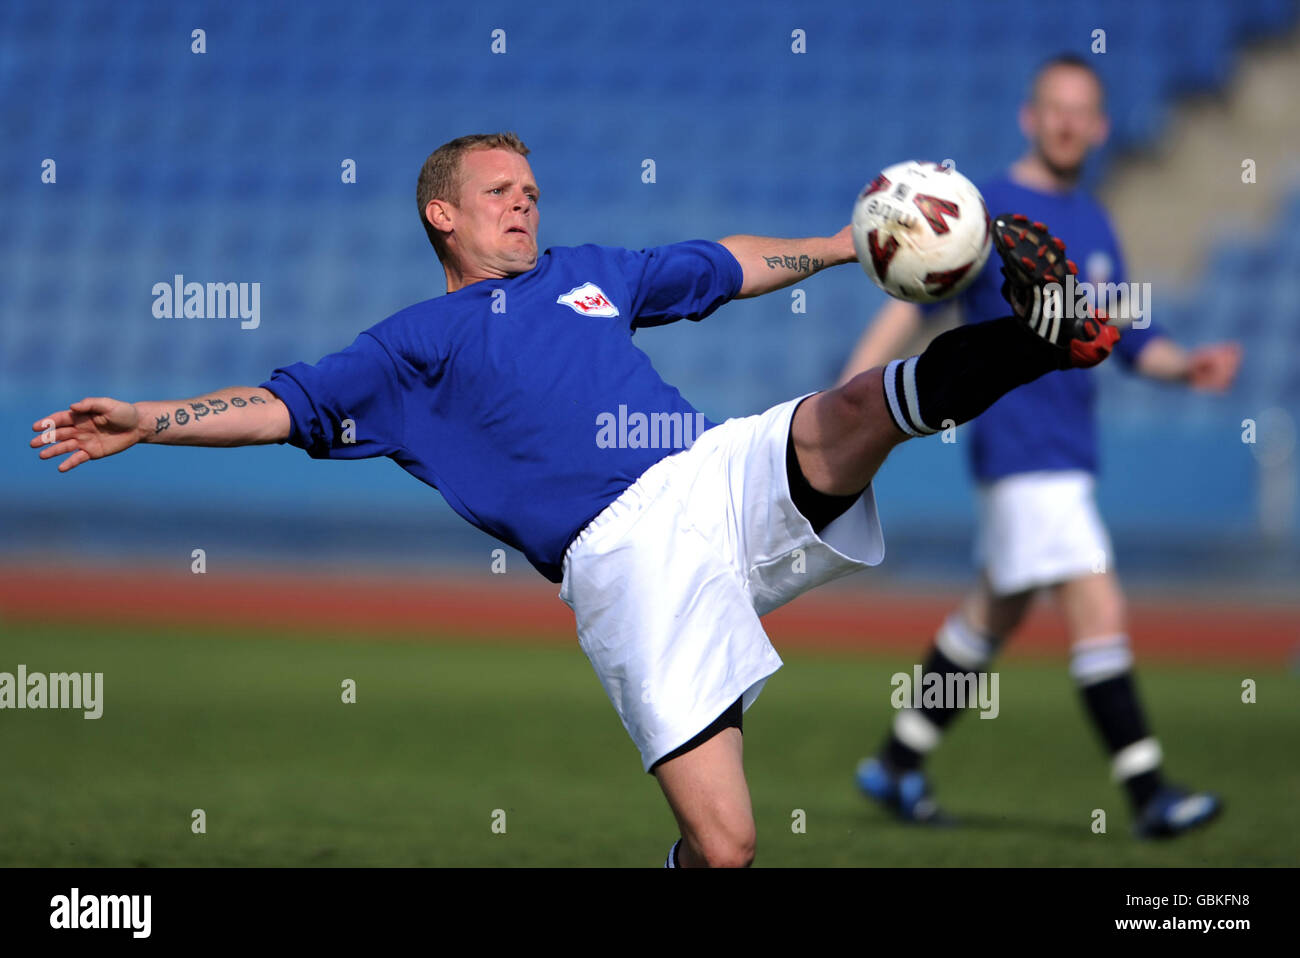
{"type": "Point", "coordinates": [226, 166]}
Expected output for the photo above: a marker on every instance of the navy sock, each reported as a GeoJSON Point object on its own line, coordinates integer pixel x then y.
{"type": "Point", "coordinates": [958, 649]}
{"type": "Point", "coordinates": [962, 373]}
{"type": "Point", "coordinates": [1117, 714]}
{"type": "Point", "coordinates": [902, 757]}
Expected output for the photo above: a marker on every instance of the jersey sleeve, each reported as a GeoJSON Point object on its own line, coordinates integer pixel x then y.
{"type": "Point", "coordinates": [347, 406]}
{"type": "Point", "coordinates": [682, 281]}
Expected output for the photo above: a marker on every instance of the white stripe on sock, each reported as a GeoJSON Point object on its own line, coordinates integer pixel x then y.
{"type": "Point", "coordinates": [916, 731]}
{"type": "Point", "coordinates": [909, 393]}
{"type": "Point", "coordinates": [1096, 660]}
{"type": "Point", "coordinates": [963, 645]}
{"type": "Point", "coordinates": [1142, 756]}
{"type": "Point", "coordinates": [672, 854]}
{"type": "Point", "coordinates": [894, 409]}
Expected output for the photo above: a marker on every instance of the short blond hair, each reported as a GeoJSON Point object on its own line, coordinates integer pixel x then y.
{"type": "Point", "coordinates": [440, 177]}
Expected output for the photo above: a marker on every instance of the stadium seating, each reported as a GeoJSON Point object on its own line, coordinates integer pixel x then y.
{"type": "Point", "coordinates": [225, 166]}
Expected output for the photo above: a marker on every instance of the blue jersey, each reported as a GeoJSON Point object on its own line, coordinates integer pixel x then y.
{"type": "Point", "coordinates": [522, 400]}
{"type": "Point", "coordinates": [1049, 423]}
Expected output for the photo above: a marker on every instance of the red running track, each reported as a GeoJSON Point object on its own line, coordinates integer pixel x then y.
{"type": "Point", "coordinates": [435, 606]}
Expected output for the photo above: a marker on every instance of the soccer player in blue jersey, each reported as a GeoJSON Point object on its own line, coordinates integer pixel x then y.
{"type": "Point", "coordinates": [520, 396]}
{"type": "Point", "coordinates": [1034, 456]}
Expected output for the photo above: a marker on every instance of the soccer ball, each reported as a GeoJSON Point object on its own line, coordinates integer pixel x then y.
{"type": "Point", "coordinates": [921, 231]}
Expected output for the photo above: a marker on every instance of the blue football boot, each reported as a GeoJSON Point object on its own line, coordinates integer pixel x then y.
{"type": "Point", "coordinates": [1173, 811]}
{"type": "Point", "coordinates": [906, 794]}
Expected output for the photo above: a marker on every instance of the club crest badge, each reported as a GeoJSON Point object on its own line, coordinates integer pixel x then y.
{"type": "Point", "coordinates": [590, 300]}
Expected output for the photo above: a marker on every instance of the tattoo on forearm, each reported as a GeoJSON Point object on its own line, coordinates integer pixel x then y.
{"type": "Point", "coordinates": [801, 264]}
{"type": "Point", "coordinates": [203, 408]}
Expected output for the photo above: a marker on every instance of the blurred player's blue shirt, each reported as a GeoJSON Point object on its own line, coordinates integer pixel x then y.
{"type": "Point", "coordinates": [1051, 422]}
{"type": "Point", "coordinates": [496, 394]}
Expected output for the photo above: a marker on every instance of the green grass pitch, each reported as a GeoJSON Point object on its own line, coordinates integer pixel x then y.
{"type": "Point", "coordinates": [252, 730]}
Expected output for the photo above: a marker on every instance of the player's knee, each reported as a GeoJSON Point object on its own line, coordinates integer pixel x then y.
{"type": "Point", "coordinates": [729, 854]}
{"type": "Point", "coordinates": [1116, 607]}
{"type": "Point", "coordinates": [859, 399]}
{"type": "Point", "coordinates": [1100, 609]}
{"type": "Point", "coordinates": [851, 432]}
{"type": "Point", "coordinates": [729, 848]}
{"type": "Point", "coordinates": [1006, 613]}
{"type": "Point", "coordinates": [1111, 618]}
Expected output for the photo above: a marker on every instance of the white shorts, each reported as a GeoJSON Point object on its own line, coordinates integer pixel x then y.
{"type": "Point", "coordinates": [668, 582]}
{"type": "Point", "coordinates": [1038, 529]}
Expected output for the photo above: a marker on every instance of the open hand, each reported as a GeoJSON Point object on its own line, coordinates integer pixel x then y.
{"type": "Point", "coordinates": [1213, 368]}
{"type": "Point", "coordinates": [89, 429]}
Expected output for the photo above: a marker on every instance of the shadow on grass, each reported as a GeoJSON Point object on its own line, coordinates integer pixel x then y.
{"type": "Point", "coordinates": [1024, 825]}
{"type": "Point", "coordinates": [1020, 824]}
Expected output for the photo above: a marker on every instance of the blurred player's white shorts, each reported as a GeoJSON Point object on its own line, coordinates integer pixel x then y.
{"type": "Point", "coordinates": [1038, 529]}
{"type": "Point", "coordinates": [668, 582]}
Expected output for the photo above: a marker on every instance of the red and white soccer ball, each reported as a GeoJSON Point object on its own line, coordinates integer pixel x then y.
{"type": "Point", "coordinates": [921, 231]}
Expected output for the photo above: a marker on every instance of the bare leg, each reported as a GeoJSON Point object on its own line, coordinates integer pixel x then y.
{"type": "Point", "coordinates": [1093, 606]}
{"type": "Point", "coordinates": [842, 435]}
{"type": "Point", "coordinates": [709, 796]}
{"type": "Point", "coordinates": [997, 616]}
{"type": "Point", "coordinates": [1101, 663]}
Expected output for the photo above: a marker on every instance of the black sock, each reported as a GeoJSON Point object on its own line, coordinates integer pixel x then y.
{"type": "Point", "coordinates": [1141, 787]}
{"type": "Point", "coordinates": [902, 757]}
{"type": "Point", "coordinates": [1116, 712]}
{"type": "Point", "coordinates": [899, 757]}
{"type": "Point", "coordinates": [962, 373]}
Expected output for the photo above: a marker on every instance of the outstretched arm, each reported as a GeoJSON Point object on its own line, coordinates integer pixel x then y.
{"type": "Point", "coordinates": [771, 264]}
{"type": "Point", "coordinates": [1209, 368]}
{"type": "Point", "coordinates": [98, 427]}
{"type": "Point", "coordinates": [893, 326]}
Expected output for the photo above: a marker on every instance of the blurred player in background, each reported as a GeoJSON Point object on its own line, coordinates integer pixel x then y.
{"type": "Point", "coordinates": [1034, 456]}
